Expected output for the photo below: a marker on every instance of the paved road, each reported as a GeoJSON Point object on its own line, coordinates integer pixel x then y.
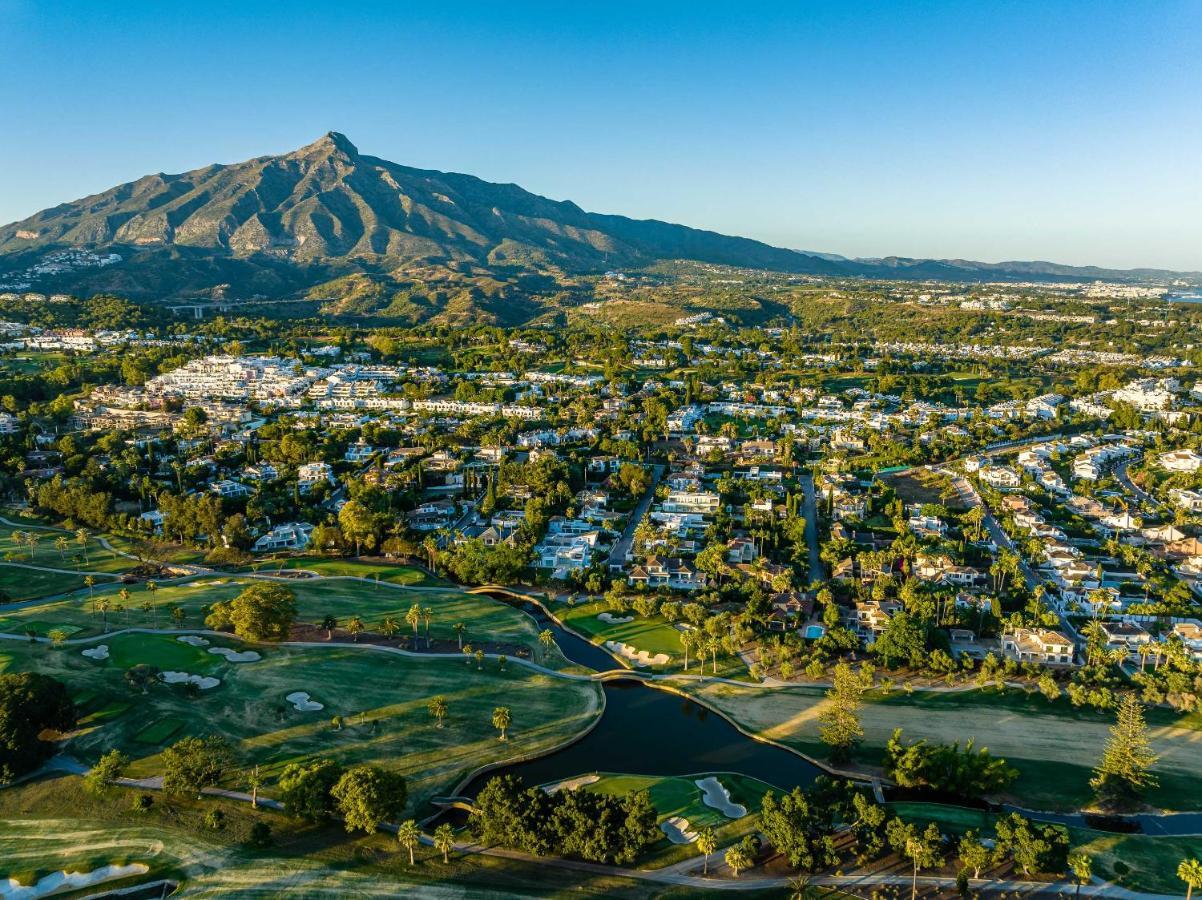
{"type": "Point", "coordinates": [817, 571]}
{"type": "Point", "coordinates": [1120, 474]}
{"type": "Point", "coordinates": [617, 556]}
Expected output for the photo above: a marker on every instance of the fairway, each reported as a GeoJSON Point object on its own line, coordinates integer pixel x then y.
{"type": "Point", "coordinates": [393, 573]}
{"type": "Point", "coordinates": [381, 697]}
{"type": "Point", "coordinates": [1054, 748]}
{"type": "Point", "coordinates": [654, 635]}
{"type": "Point", "coordinates": [485, 619]}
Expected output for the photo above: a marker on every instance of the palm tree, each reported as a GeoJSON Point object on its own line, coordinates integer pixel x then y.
{"type": "Point", "coordinates": [444, 841]}
{"type": "Point", "coordinates": [154, 610]}
{"type": "Point", "coordinates": [501, 720]}
{"type": "Point", "coordinates": [408, 833]}
{"type": "Point", "coordinates": [329, 623]}
{"type": "Point", "coordinates": [430, 545]}
{"type": "Point", "coordinates": [60, 544]}
{"type": "Point", "coordinates": [254, 781]}
{"type": "Point", "coordinates": [414, 617]}
{"type": "Point", "coordinates": [460, 628]}
{"type": "Point", "coordinates": [355, 627]}
{"type": "Point", "coordinates": [90, 582]}
{"type": "Point", "coordinates": [177, 613]}
{"type": "Point", "coordinates": [390, 626]}
{"type": "Point", "coordinates": [437, 707]}
{"type": "Point", "coordinates": [479, 655]}
{"type": "Point", "coordinates": [546, 638]}
{"type": "Point", "coordinates": [32, 540]}
{"type": "Point", "coordinates": [427, 615]}
{"type": "Point", "coordinates": [1190, 871]}
{"type": "Point", "coordinates": [737, 858]}
{"type": "Point", "coordinates": [707, 843]}
{"type": "Point", "coordinates": [104, 604]}
{"type": "Point", "coordinates": [686, 641]}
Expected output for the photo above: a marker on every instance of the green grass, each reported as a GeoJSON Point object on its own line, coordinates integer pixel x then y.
{"type": "Point", "coordinates": [19, 584]}
{"type": "Point", "coordinates": [392, 573]}
{"type": "Point", "coordinates": [382, 696]}
{"type": "Point", "coordinates": [50, 825]}
{"type": "Point", "coordinates": [486, 619]}
{"type": "Point", "coordinates": [673, 796]}
{"type": "Point", "coordinates": [1054, 746]}
{"type": "Point", "coordinates": [1150, 862]}
{"type": "Point", "coordinates": [655, 635]}
{"type": "Point", "coordinates": [159, 731]}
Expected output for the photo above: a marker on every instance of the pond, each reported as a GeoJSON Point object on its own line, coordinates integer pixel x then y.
{"type": "Point", "coordinates": [645, 731]}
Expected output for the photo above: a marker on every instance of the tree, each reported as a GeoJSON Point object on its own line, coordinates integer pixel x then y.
{"type": "Point", "coordinates": [437, 707]}
{"type": "Point", "coordinates": [922, 849]}
{"type": "Point", "coordinates": [414, 617]}
{"type": "Point", "coordinates": [408, 834]}
{"type": "Point", "coordinates": [390, 626]}
{"type": "Point", "coordinates": [546, 639]}
{"type": "Point", "coordinates": [1082, 868]}
{"type": "Point", "coordinates": [254, 781]}
{"type": "Point", "coordinates": [30, 704]}
{"type": "Point", "coordinates": [840, 720]}
{"type": "Point", "coordinates": [427, 615]}
{"type": "Point", "coordinates": [460, 628]}
{"type": "Point", "coordinates": [800, 828]}
{"type": "Point", "coordinates": [357, 523]}
{"type": "Point", "coordinates": [707, 843]}
{"type": "Point", "coordinates": [1123, 773]}
{"type": "Point", "coordinates": [105, 773]}
{"type": "Point", "coordinates": [261, 612]}
{"type": "Point", "coordinates": [444, 841]}
{"type": "Point", "coordinates": [329, 623]}
{"type": "Point", "coordinates": [141, 676]}
{"type": "Point", "coordinates": [737, 858]}
{"type": "Point", "coordinates": [193, 763]}
{"type": "Point", "coordinates": [90, 582]}
{"type": "Point", "coordinates": [1190, 871]}
{"type": "Point", "coordinates": [366, 796]}
{"type": "Point", "coordinates": [973, 854]}
{"type": "Point", "coordinates": [501, 720]}
{"type": "Point", "coordinates": [355, 627]}
{"type": "Point", "coordinates": [305, 789]}
{"type": "Point", "coordinates": [902, 640]}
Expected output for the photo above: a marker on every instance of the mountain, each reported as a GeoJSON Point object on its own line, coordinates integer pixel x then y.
{"type": "Point", "coordinates": [330, 222]}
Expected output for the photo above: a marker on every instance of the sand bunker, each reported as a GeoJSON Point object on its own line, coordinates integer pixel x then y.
{"type": "Point", "coordinates": [638, 657]}
{"type": "Point", "coordinates": [194, 640]}
{"type": "Point", "coordinates": [56, 882]}
{"type": "Point", "coordinates": [204, 682]}
{"type": "Point", "coordinates": [236, 656]}
{"type": "Point", "coordinates": [611, 619]}
{"type": "Point", "coordinates": [570, 784]}
{"type": "Point", "coordinates": [677, 829]}
{"type": "Point", "coordinates": [715, 795]}
{"type": "Point", "coordinates": [300, 700]}
{"type": "Point", "coordinates": [99, 652]}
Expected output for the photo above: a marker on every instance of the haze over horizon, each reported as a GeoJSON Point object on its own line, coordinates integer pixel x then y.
{"type": "Point", "coordinates": [1063, 134]}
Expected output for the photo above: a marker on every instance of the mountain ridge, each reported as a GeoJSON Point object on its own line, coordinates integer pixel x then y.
{"type": "Point", "coordinates": [279, 225]}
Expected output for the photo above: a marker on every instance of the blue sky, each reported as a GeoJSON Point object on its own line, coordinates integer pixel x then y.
{"type": "Point", "coordinates": [989, 130]}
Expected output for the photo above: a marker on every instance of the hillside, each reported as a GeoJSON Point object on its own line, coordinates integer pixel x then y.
{"type": "Point", "coordinates": [299, 224]}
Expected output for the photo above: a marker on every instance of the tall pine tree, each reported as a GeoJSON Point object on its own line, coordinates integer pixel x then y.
{"type": "Point", "coordinates": [1123, 774]}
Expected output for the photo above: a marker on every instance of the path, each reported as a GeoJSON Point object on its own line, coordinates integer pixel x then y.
{"type": "Point", "coordinates": [681, 874]}
{"type": "Point", "coordinates": [617, 556]}
{"type": "Point", "coordinates": [817, 572]}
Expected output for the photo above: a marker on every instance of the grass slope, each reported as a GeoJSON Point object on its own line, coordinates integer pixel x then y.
{"type": "Point", "coordinates": [381, 695]}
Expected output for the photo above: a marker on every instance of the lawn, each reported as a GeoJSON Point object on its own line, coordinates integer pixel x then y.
{"type": "Point", "coordinates": [673, 796]}
{"type": "Point", "coordinates": [393, 573]}
{"type": "Point", "coordinates": [92, 557]}
{"type": "Point", "coordinates": [19, 584]}
{"type": "Point", "coordinates": [1053, 746]}
{"type": "Point", "coordinates": [51, 825]}
{"type": "Point", "coordinates": [486, 619]}
{"type": "Point", "coordinates": [381, 696]}
{"type": "Point", "coordinates": [655, 635]}
{"type": "Point", "coordinates": [1145, 862]}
